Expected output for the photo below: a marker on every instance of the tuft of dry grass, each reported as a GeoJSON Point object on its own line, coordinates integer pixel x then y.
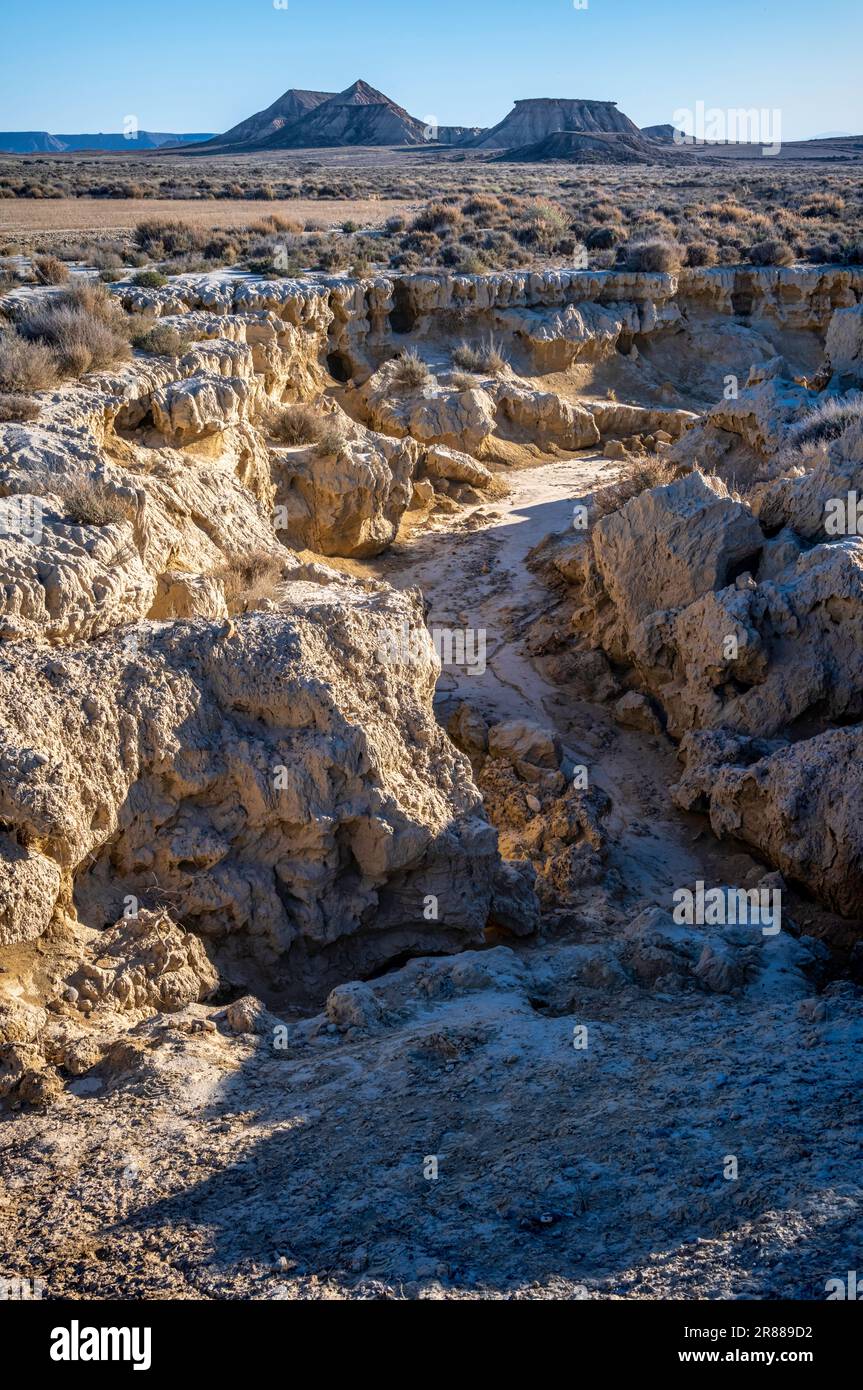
{"type": "Point", "coordinates": [331, 439]}
{"type": "Point", "coordinates": [828, 420]}
{"type": "Point", "coordinates": [488, 357]}
{"type": "Point", "coordinates": [163, 340]}
{"type": "Point", "coordinates": [26, 366]}
{"type": "Point", "coordinates": [86, 501]}
{"type": "Point", "coordinates": [49, 270]}
{"type": "Point", "coordinates": [250, 581]}
{"type": "Point", "coordinates": [84, 327]}
{"type": "Point", "coordinates": [297, 424]}
{"type": "Point", "coordinates": [771, 251]}
{"type": "Point", "coordinates": [411, 371]}
{"type": "Point", "coordinates": [639, 476]}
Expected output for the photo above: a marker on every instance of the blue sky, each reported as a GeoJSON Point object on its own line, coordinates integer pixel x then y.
{"type": "Point", "coordinates": [184, 65]}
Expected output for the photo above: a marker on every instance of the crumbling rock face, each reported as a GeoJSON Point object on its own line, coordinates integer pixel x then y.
{"type": "Point", "coordinates": [671, 544]}
{"type": "Point", "coordinates": [548, 823]}
{"type": "Point", "coordinates": [737, 637]}
{"type": "Point", "coordinates": [844, 347]}
{"type": "Point", "coordinates": [349, 503]}
{"type": "Point", "coordinates": [797, 804]}
{"type": "Point", "coordinates": [284, 789]}
{"type": "Point", "coordinates": [146, 964]}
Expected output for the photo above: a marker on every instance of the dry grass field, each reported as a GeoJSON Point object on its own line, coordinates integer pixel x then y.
{"type": "Point", "coordinates": [24, 218]}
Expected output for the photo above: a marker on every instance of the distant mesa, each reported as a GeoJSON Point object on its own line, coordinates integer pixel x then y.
{"type": "Point", "coordinates": [534, 119]}
{"type": "Point", "coordinates": [41, 142]}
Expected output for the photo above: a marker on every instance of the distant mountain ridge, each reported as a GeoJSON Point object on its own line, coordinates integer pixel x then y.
{"type": "Point", "coordinates": [286, 110]}
{"type": "Point", "coordinates": [358, 116]}
{"type": "Point", "coordinates": [43, 142]}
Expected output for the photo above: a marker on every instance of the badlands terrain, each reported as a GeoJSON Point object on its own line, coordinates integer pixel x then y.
{"type": "Point", "coordinates": [382, 652]}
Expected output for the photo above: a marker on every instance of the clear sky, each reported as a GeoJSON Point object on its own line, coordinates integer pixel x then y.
{"type": "Point", "coordinates": [202, 65]}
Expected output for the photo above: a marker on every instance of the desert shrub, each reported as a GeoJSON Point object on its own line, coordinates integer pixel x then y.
{"type": "Point", "coordinates": [26, 366]}
{"type": "Point", "coordinates": [149, 279]}
{"type": "Point", "coordinates": [9, 278]}
{"type": "Point", "coordinates": [406, 261]}
{"type": "Point", "coordinates": [171, 236]}
{"type": "Point", "coordinates": [463, 381]}
{"type": "Point", "coordinates": [411, 371]}
{"type": "Point", "coordinates": [331, 439]}
{"type": "Point", "coordinates": [436, 217]}
{"type": "Point", "coordinates": [820, 253]}
{"type": "Point", "coordinates": [472, 264]}
{"type": "Point", "coordinates": [86, 501]}
{"type": "Point", "coordinates": [332, 257]}
{"type": "Point", "coordinates": [297, 424]}
{"type": "Point", "coordinates": [638, 476]}
{"type": "Point", "coordinates": [602, 239]}
{"type": "Point", "coordinates": [394, 225]}
{"type": "Point", "coordinates": [14, 406]}
{"type": "Point", "coordinates": [700, 253]}
{"type": "Point", "coordinates": [541, 226]}
{"type": "Point", "coordinates": [163, 339]}
{"type": "Point", "coordinates": [484, 206]}
{"type": "Point", "coordinates": [250, 581]}
{"type": "Point", "coordinates": [772, 251]}
{"type": "Point", "coordinates": [222, 248]}
{"type": "Point", "coordinates": [81, 340]}
{"type": "Point", "coordinates": [50, 270]}
{"type": "Point", "coordinates": [828, 420]}
{"type": "Point", "coordinates": [487, 358]}
{"type": "Point", "coordinates": [653, 254]}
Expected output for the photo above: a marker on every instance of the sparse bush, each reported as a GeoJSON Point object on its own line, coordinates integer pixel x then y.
{"type": "Point", "coordinates": [770, 252]}
{"type": "Point", "coordinates": [164, 340]}
{"type": "Point", "coordinates": [14, 406]}
{"type": "Point", "coordinates": [700, 253]}
{"type": "Point", "coordinates": [487, 358]}
{"type": "Point", "coordinates": [250, 581]}
{"type": "Point", "coordinates": [171, 236]}
{"type": "Point", "coordinates": [149, 279]}
{"type": "Point", "coordinates": [297, 424]}
{"type": "Point", "coordinates": [411, 371]}
{"type": "Point", "coordinates": [437, 217]}
{"type": "Point", "coordinates": [602, 239]}
{"type": "Point", "coordinates": [26, 366]}
{"type": "Point", "coordinates": [49, 270]}
{"type": "Point", "coordinates": [86, 501]}
{"type": "Point", "coordinates": [638, 476]}
{"type": "Point", "coordinates": [654, 254]}
{"type": "Point", "coordinates": [81, 341]}
{"type": "Point", "coordinates": [828, 420]}
{"type": "Point", "coordinates": [9, 279]}
{"type": "Point", "coordinates": [331, 439]}
{"type": "Point", "coordinates": [463, 381]}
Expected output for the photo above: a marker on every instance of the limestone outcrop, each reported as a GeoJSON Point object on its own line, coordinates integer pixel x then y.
{"type": "Point", "coordinates": [283, 788]}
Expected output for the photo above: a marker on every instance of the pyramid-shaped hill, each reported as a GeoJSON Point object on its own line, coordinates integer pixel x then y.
{"type": "Point", "coordinates": [536, 118]}
{"type": "Point", "coordinates": [575, 147]}
{"type": "Point", "coordinates": [289, 108]}
{"type": "Point", "coordinates": [361, 115]}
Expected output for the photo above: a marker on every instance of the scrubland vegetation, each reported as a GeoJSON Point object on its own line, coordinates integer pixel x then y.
{"type": "Point", "coordinates": [475, 215]}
